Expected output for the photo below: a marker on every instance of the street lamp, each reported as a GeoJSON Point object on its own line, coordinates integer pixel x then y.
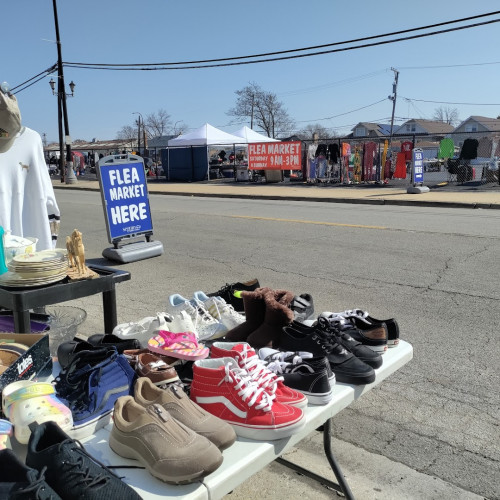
{"type": "Point", "coordinates": [71, 86]}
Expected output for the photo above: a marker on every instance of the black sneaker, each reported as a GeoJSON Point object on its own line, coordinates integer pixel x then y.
{"type": "Point", "coordinates": [231, 293]}
{"type": "Point", "coordinates": [358, 316]}
{"type": "Point", "coordinates": [110, 340]}
{"type": "Point", "coordinates": [70, 470]}
{"type": "Point", "coordinates": [347, 367]}
{"type": "Point", "coordinates": [362, 352]}
{"type": "Point", "coordinates": [20, 482]}
{"type": "Point", "coordinates": [302, 307]}
{"type": "Point", "coordinates": [374, 337]}
{"type": "Point", "coordinates": [300, 375]}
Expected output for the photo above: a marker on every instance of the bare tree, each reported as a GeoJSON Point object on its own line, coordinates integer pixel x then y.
{"type": "Point", "coordinates": [157, 124]}
{"type": "Point", "coordinates": [446, 114]}
{"type": "Point", "coordinates": [263, 109]}
{"type": "Point", "coordinates": [127, 133]}
{"type": "Point", "coordinates": [309, 130]}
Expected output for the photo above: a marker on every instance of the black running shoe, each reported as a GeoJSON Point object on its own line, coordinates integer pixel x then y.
{"type": "Point", "coordinates": [347, 367]}
{"type": "Point", "coordinates": [302, 307]}
{"type": "Point", "coordinates": [231, 293]}
{"type": "Point", "coordinates": [70, 470]}
{"type": "Point", "coordinates": [362, 352]}
{"type": "Point", "coordinates": [18, 482]}
{"type": "Point", "coordinates": [307, 378]}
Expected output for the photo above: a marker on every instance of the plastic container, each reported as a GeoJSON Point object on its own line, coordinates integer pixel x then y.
{"type": "Point", "coordinates": [17, 245]}
{"type": "Point", "coordinates": [64, 322]}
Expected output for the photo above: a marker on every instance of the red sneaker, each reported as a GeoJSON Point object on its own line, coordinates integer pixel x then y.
{"type": "Point", "coordinates": [222, 388]}
{"type": "Point", "coordinates": [259, 372]}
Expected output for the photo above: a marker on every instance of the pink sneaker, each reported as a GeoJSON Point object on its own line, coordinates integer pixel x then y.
{"type": "Point", "coordinates": [222, 388]}
{"type": "Point", "coordinates": [247, 359]}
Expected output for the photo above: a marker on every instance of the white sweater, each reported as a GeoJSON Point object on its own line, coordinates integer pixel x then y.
{"type": "Point", "coordinates": [28, 205]}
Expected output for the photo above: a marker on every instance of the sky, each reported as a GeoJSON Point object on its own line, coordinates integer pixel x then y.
{"type": "Point", "coordinates": [458, 67]}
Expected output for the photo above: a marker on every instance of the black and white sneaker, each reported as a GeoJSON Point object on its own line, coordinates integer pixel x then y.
{"type": "Point", "coordinates": [299, 374]}
{"type": "Point", "coordinates": [358, 317]}
{"type": "Point", "coordinates": [346, 366]}
{"type": "Point", "coordinates": [362, 352]}
{"type": "Point", "coordinates": [302, 306]}
{"type": "Point", "coordinates": [374, 336]}
{"type": "Point", "coordinates": [231, 293]}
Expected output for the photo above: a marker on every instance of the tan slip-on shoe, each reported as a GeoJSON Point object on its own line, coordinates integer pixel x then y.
{"type": "Point", "coordinates": [169, 450]}
{"type": "Point", "coordinates": [177, 403]}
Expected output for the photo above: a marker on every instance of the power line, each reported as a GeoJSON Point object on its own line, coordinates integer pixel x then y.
{"type": "Point", "coordinates": [46, 72]}
{"type": "Point", "coordinates": [343, 114]}
{"type": "Point", "coordinates": [450, 65]}
{"type": "Point", "coordinates": [241, 63]}
{"type": "Point", "coordinates": [294, 50]}
{"type": "Point", "coordinates": [448, 102]}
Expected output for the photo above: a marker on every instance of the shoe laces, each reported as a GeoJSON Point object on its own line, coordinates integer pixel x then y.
{"type": "Point", "coordinates": [198, 313]}
{"type": "Point", "coordinates": [326, 332]}
{"type": "Point", "coordinates": [223, 308]}
{"type": "Point", "coordinates": [37, 487]}
{"type": "Point", "coordinates": [249, 391]}
{"type": "Point", "coordinates": [258, 371]}
{"type": "Point", "coordinates": [81, 472]}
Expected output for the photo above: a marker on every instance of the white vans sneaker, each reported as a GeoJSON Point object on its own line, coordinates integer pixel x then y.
{"type": "Point", "coordinates": [205, 326]}
{"type": "Point", "coordinates": [220, 310]}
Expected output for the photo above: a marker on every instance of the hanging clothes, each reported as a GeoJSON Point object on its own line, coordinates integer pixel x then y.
{"type": "Point", "coordinates": [384, 160]}
{"type": "Point", "coordinates": [322, 164]}
{"type": "Point", "coordinates": [407, 148]}
{"type": "Point", "coordinates": [311, 162]}
{"type": "Point", "coordinates": [446, 148]}
{"type": "Point", "coordinates": [469, 149]}
{"type": "Point", "coordinates": [356, 175]}
{"type": "Point", "coordinates": [28, 205]}
{"type": "Point", "coordinates": [333, 152]}
{"type": "Point", "coordinates": [400, 170]}
{"type": "Point", "coordinates": [369, 152]}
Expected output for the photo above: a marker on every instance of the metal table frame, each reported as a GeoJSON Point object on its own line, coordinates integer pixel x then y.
{"type": "Point", "coordinates": [20, 301]}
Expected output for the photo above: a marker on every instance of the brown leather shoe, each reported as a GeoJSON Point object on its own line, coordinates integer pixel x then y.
{"type": "Point", "coordinates": [167, 448]}
{"type": "Point", "coordinates": [178, 404]}
{"type": "Point", "coordinates": [155, 369]}
{"type": "Point", "coordinates": [133, 354]}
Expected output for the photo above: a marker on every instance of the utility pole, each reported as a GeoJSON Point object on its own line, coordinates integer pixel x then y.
{"type": "Point", "coordinates": [393, 98]}
{"type": "Point", "coordinates": [62, 111]}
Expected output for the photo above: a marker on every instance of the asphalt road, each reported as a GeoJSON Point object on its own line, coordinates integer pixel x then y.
{"type": "Point", "coordinates": [435, 270]}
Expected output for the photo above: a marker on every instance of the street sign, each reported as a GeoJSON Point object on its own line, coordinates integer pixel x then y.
{"type": "Point", "coordinates": [418, 166]}
{"type": "Point", "coordinates": [124, 192]}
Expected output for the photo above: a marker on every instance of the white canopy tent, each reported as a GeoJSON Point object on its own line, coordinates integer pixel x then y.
{"type": "Point", "coordinates": [250, 135]}
{"type": "Point", "coordinates": [206, 135]}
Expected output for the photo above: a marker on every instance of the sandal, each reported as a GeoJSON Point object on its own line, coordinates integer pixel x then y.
{"type": "Point", "coordinates": [25, 402]}
{"type": "Point", "coordinates": [5, 434]}
{"type": "Point", "coordinates": [178, 345]}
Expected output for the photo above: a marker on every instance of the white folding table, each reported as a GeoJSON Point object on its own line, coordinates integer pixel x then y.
{"type": "Point", "coordinates": [247, 457]}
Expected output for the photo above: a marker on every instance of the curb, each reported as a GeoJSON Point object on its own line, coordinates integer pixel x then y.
{"type": "Point", "coordinates": [354, 201]}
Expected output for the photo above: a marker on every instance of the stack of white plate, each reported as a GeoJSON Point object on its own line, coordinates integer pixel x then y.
{"type": "Point", "coordinates": [36, 269]}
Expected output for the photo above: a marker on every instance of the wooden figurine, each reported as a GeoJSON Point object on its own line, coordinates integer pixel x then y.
{"type": "Point", "coordinates": [76, 257]}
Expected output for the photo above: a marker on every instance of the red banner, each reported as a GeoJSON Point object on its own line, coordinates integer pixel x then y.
{"type": "Point", "coordinates": [275, 156]}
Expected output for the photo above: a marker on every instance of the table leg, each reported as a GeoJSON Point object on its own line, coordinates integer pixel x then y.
{"type": "Point", "coordinates": [109, 307]}
{"type": "Point", "coordinates": [22, 322]}
{"type": "Point", "coordinates": [342, 485]}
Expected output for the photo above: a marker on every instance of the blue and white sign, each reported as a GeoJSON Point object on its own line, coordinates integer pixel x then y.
{"type": "Point", "coordinates": [125, 197]}
{"type": "Point", "coordinates": [418, 166]}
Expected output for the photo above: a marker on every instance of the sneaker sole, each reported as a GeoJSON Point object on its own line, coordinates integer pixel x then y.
{"type": "Point", "coordinates": [319, 399]}
{"type": "Point", "coordinates": [127, 452]}
{"type": "Point", "coordinates": [259, 433]}
{"type": "Point", "coordinates": [81, 431]}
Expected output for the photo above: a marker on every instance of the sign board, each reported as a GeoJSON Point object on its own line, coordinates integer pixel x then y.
{"type": "Point", "coordinates": [124, 192]}
{"type": "Point", "coordinates": [275, 156]}
{"type": "Point", "coordinates": [418, 166]}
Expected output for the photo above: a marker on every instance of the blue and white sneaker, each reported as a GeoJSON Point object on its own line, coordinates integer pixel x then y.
{"type": "Point", "coordinates": [206, 327]}
{"type": "Point", "coordinates": [91, 384]}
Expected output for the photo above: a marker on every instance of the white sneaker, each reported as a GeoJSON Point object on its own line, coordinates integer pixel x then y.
{"type": "Point", "coordinates": [205, 326]}
{"type": "Point", "coordinates": [220, 310]}
{"type": "Point", "coordinates": [148, 327]}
